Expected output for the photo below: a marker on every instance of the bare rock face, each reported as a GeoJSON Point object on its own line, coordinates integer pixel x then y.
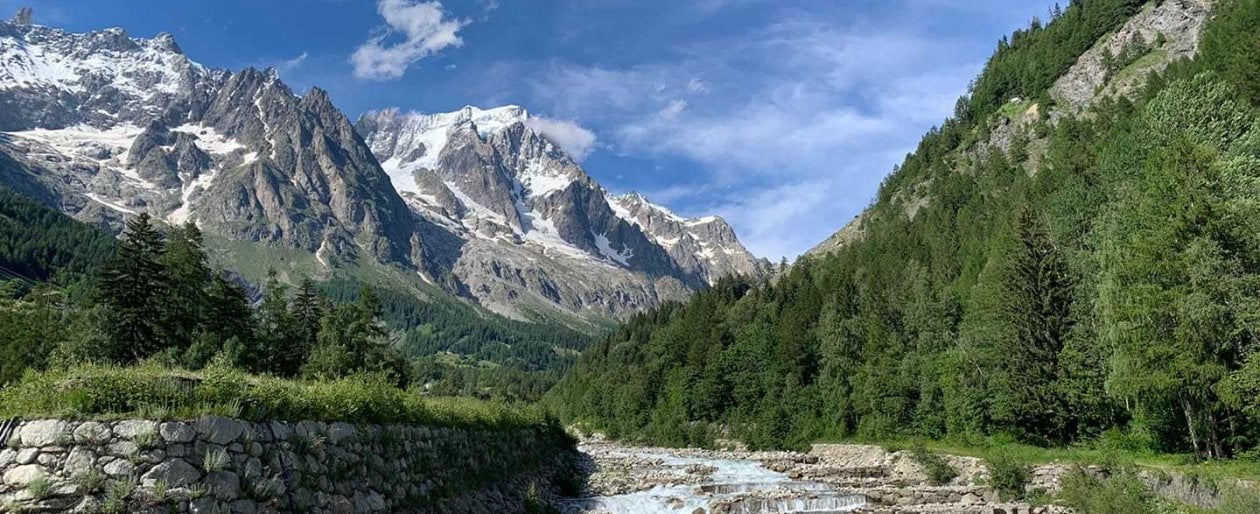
{"type": "Point", "coordinates": [1170, 30]}
{"type": "Point", "coordinates": [129, 125]}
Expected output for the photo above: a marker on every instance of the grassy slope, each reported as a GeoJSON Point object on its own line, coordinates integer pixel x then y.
{"type": "Point", "coordinates": [154, 392]}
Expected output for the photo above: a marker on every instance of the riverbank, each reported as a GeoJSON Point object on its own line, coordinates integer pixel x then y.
{"type": "Point", "coordinates": [829, 478]}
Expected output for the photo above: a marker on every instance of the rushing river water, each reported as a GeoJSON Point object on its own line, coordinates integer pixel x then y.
{"type": "Point", "coordinates": [735, 486]}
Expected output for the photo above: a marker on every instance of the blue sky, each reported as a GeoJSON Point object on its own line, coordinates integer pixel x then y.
{"type": "Point", "coordinates": [782, 116]}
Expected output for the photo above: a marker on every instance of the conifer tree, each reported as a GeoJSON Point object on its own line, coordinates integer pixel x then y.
{"type": "Point", "coordinates": [308, 308]}
{"type": "Point", "coordinates": [189, 275]}
{"type": "Point", "coordinates": [279, 346]}
{"type": "Point", "coordinates": [227, 317]}
{"type": "Point", "coordinates": [134, 286]}
{"type": "Point", "coordinates": [1040, 308]}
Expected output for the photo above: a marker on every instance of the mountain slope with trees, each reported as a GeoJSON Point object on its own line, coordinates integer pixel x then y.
{"type": "Point", "coordinates": [1097, 277]}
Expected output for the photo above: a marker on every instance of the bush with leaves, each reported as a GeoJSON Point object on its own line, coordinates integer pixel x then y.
{"type": "Point", "coordinates": [1008, 476]}
{"type": "Point", "coordinates": [937, 469]}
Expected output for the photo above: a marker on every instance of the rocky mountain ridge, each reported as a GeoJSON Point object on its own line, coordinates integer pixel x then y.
{"type": "Point", "coordinates": [102, 126]}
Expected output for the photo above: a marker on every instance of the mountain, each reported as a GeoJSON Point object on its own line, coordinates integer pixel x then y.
{"type": "Point", "coordinates": [1070, 260]}
{"type": "Point", "coordinates": [102, 126]}
{"type": "Point", "coordinates": [536, 231]}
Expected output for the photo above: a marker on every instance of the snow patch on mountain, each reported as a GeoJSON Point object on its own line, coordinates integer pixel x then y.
{"type": "Point", "coordinates": [209, 140]}
{"type": "Point", "coordinates": [605, 248]}
{"type": "Point", "coordinates": [109, 203]}
{"type": "Point", "coordinates": [187, 195]}
{"type": "Point", "coordinates": [85, 140]}
{"type": "Point", "coordinates": [140, 68]}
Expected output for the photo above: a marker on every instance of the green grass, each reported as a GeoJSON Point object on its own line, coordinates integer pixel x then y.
{"type": "Point", "coordinates": [1087, 454]}
{"type": "Point", "coordinates": [1139, 67]}
{"type": "Point", "coordinates": [938, 470]}
{"type": "Point", "coordinates": [155, 392]}
{"type": "Point", "coordinates": [1013, 110]}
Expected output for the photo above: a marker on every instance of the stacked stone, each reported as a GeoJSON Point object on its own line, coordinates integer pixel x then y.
{"type": "Point", "coordinates": [224, 465]}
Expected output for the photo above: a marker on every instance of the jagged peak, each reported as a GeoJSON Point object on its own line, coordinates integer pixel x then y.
{"type": "Point", "coordinates": [23, 17]}
{"type": "Point", "coordinates": [166, 41]}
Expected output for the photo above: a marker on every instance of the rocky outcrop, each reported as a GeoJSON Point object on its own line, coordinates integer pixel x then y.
{"type": "Point", "coordinates": [1162, 33]}
{"type": "Point", "coordinates": [227, 465]}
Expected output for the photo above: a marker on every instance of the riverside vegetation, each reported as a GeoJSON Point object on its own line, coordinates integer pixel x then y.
{"type": "Point", "coordinates": [1093, 287]}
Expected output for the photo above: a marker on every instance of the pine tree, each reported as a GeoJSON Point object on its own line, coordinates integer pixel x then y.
{"type": "Point", "coordinates": [352, 340]}
{"type": "Point", "coordinates": [135, 286]}
{"type": "Point", "coordinates": [1040, 308]}
{"type": "Point", "coordinates": [227, 317]}
{"type": "Point", "coordinates": [186, 265]}
{"type": "Point", "coordinates": [308, 308]}
{"type": "Point", "coordinates": [279, 345]}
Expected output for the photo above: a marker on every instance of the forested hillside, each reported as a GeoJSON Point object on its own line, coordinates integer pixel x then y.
{"type": "Point", "coordinates": [40, 244]}
{"type": "Point", "coordinates": [1099, 279]}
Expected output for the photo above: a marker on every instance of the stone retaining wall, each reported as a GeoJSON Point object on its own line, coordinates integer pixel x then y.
{"type": "Point", "coordinates": [230, 466]}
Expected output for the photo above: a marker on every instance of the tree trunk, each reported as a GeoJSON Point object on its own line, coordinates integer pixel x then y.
{"type": "Point", "coordinates": [1194, 437]}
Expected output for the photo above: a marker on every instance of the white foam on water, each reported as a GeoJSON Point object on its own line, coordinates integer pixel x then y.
{"type": "Point", "coordinates": [745, 477]}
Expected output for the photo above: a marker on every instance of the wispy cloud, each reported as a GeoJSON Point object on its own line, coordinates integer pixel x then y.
{"type": "Point", "coordinates": [285, 65]}
{"type": "Point", "coordinates": [791, 127]}
{"type": "Point", "coordinates": [424, 29]}
{"type": "Point", "coordinates": [574, 139]}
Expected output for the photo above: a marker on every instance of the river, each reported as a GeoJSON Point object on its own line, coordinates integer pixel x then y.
{"type": "Point", "coordinates": [627, 480]}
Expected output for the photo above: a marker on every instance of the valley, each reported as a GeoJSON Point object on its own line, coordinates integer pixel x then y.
{"type": "Point", "coordinates": [222, 294]}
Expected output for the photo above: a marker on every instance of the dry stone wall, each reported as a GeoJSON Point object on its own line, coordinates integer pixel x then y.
{"type": "Point", "coordinates": [226, 465]}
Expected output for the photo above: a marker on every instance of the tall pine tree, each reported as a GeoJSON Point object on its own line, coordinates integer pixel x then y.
{"type": "Point", "coordinates": [189, 277]}
{"type": "Point", "coordinates": [134, 286]}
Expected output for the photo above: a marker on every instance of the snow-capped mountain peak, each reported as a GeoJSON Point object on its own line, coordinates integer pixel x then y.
{"type": "Point", "coordinates": [108, 74]}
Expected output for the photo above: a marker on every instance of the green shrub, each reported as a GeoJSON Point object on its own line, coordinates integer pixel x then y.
{"type": "Point", "coordinates": [1121, 493]}
{"type": "Point", "coordinates": [535, 504]}
{"type": "Point", "coordinates": [215, 460]}
{"type": "Point", "coordinates": [90, 481]}
{"type": "Point", "coordinates": [938, 470]}
{"type": "Point", "coordinates": [40, 488]}
{"type": "Point", "coordinates": [1008, 476]}
{"type": "Point", "coordinates": [118, 496]}
{"type": "Point", "coordinates": [146, 439]}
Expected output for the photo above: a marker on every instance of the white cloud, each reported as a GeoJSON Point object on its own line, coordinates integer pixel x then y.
{"type": "Point", "coordinates": [673, 109]}
{"type": "Point", "coordinates": [425, 29]}
{"type": "Point", "coordinates": [575, 140]}
{"type": "Point", "coordinates": [763, 217]}
{"type": "Point", "coordinates": [698, 86]}
{"type": "Point", "coordinates": [290, 64]}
